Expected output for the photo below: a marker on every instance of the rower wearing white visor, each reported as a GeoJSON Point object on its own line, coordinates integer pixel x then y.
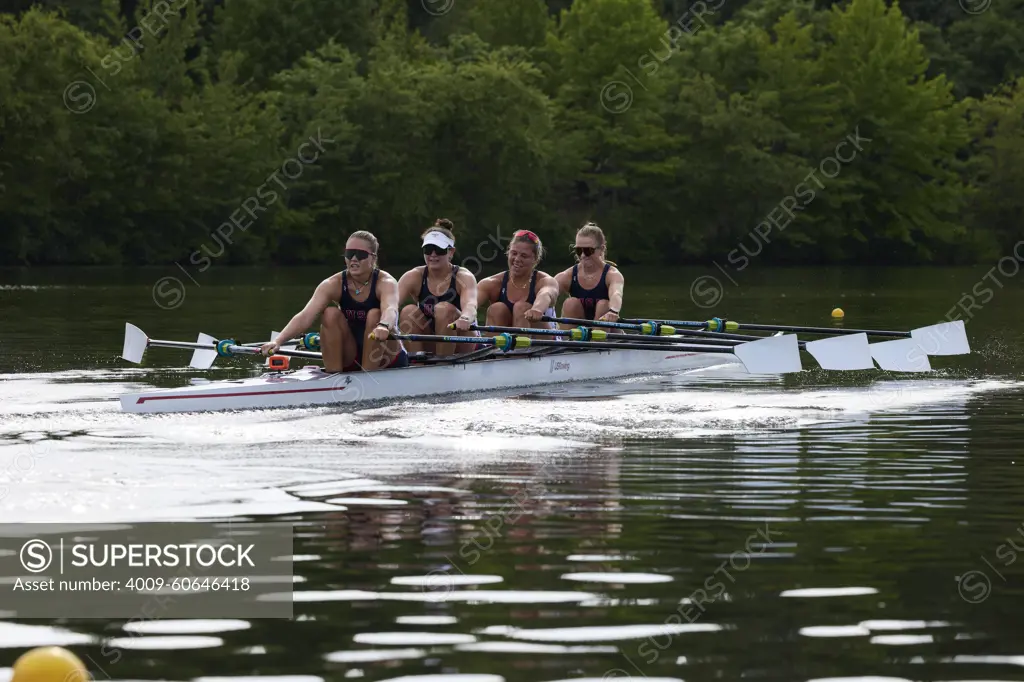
{"type": "Point", "coordinates": [443, 293]}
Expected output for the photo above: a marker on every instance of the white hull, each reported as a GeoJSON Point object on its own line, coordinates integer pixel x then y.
{"type": "Point", "coordinates": [309, 386]}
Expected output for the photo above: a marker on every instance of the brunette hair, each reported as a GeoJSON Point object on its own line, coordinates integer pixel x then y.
{"type": "Point", "coordinates": [442, 225]}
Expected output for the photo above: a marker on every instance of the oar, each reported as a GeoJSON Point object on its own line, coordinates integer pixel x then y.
{"type": "Point", "coordinates": [646, 328]}
{"type": "Point", "coordinates": [207, 349]}
{"type": "Point", "coordinates": [838, 353]}
{"type": "Point", "coordinates": [588, 334]}
{"type": "Point", "coordinates": [945, 338]}
{"type": "Point", "coordinates": [771, 355]}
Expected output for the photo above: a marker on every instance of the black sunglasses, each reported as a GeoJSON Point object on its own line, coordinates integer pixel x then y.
{"type": "Point", "coordinates": [434, 249]}
{"type": "Point", "coordinates": [585, 250]}
{"type": "Point", "coordinates": [358, 254]}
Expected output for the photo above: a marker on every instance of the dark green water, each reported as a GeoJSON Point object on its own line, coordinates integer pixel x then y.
{"type": "Point", "coordinates": [825, 525]}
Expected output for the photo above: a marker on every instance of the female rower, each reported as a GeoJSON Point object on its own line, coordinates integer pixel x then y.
{"type": "Point", "coordinates": [594, 284]}
{"type": "Point", "coordinates": [360, 300]}
{"type": "Point", "coordinates": [521, 295]}
{"type": "Point", "coordinates": [444, 293]}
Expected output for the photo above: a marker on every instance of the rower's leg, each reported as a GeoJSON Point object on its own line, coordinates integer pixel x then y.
{"type": "Point", "coordinates": [337, 343]}
{"type": "Point", "coordinates": [376, 354]}
{"type": "Point", "coordinates": [412, 321]}
{"type": "Point", "coordinates": [444, 315]}
{"type": "Point", "coordinates": [498, 315]}
{"type": "Point", "coordinates": [572, 307]}
{"type": "Point", "coordinates": [519, 316]}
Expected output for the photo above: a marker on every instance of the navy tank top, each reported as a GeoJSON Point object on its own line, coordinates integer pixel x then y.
{"type": "Point", "coordinates": [590, 297]}
{"type": "Point", "coordinates": [530, 297]}
{"type": "Point", "coordinates": [428, 300]}
{"type": "Point", "coordinates": [355, 311]}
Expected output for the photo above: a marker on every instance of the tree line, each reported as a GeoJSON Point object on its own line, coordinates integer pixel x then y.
{"type": "Point", "coordinates": [145, 131]}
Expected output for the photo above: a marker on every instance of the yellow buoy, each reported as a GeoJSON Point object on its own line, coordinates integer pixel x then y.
{"type": "Point", "coordinates": [49, 664]}
{"type": "Point", "coordinates": [838, 313]}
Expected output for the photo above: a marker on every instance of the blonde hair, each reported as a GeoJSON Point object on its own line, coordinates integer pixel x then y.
{"type": "Point", "coordinates": [527, 237]}
{"type": "Point", "coordinates": [366, 236]}
{"type": "Point", "coordinates": [591, 229]}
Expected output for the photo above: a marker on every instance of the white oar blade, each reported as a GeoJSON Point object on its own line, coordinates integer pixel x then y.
{"type": "Point", "coordinates": [772, 355]}
{"type": "Point", "coordinates": [202, 358]}
{"type": "Point", "coordinates": [947, 338]}
{"type": "Point", "coordinates": [901, 355]}
{"type": "Point", "coordinates": [846, 352]}
{"type": "Point", "coordinates": [135, 342]}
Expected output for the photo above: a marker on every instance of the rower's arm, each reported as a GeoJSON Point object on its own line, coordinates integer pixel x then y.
{"type": "Point", "coordinates": [467, 286]}
{"type": "Point", "coordinates": [387, 290]}
{"type": "Point", "coordinates": [303, 320]}
{"type": "Point", "coordinates": [487, 291]}
{"type": "Point", "coordinates": [407, 286]}
{"type": "Point", "coordinates": [616, 282]}
{"type": "Point", "coordinates": [564, 280]}
{"type": "Point", "coordinates": [547, 294]}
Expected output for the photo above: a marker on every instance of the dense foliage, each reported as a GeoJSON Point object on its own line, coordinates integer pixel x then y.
{"type": "Point", "coordinates": [151, 131]}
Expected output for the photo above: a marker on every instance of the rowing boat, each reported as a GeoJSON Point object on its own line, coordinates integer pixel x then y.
{"type": "Point", "coordinates": [516, 368]}
{"type": "Point", "coordinates": [310, 386]}
{"type": "Point", "coordinates": [523, 362]}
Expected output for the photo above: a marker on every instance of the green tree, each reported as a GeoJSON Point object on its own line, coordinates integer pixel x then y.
{"type": "Point", "coordinates": [273, 34]}
{"type": "Point", "coordinates": [997, 166]}
{"type": "Point", "coordinates": [909, 193]}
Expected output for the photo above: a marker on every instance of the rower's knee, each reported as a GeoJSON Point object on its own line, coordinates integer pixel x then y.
{"type": "Point", "coordinates": [445, 313]}
{"type": "Point", "coordinates": [409, 316]}
{"type": "Point", "coordinates": [372, 319]}
{"type": "Point", "coordinates": [331, 316]}
{"type": "Point", "coordinates": [572, 307]}
{"type": "Point", "coordinates": [519, 314]}
{"type": "Point", "coordinates": [498, 315]}
{"type": "Point", "coordinates": [333, 322]}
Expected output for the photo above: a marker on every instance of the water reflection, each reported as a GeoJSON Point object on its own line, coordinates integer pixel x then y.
{"type": "Point", "coordinates": [782, 533]}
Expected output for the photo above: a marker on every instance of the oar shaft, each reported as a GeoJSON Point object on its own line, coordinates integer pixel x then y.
{"type": "Point", "coordinates": [776, 328]}
{"type": "Point", "coordinates": [822, 330]}
{"type": "Point", "coordinates": [590, 323]}
{"type": "Point", "coordinates": [184, 345]}
{"type": "Point", "coordinates": [249, 350]}
{"type": "Point", "coordinates": [234, 349]}
{"type": "Point", "coordinates": [615, 345]}
{"type": "Point", "coordinates": [601, 335]}
{"type": "Point", "coordinates": [445, 339]}
{"type": "Point", "coordinates": [523, 341]}
{"type": "Point", "coordinates": [519, 330]}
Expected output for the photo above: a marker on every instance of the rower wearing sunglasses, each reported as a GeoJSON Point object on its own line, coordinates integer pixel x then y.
{"type": "Point", "coordinates": [521, 295]}
{"type": "Point", "coordinates": [360, 300]}
{"type": "Point", "coordinates": [594, 284]}
{"type": "Point", "coordinates": [444, 293]}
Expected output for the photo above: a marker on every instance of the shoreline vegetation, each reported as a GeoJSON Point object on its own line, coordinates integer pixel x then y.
{"type": "Point", "coordinates": [259, 132]}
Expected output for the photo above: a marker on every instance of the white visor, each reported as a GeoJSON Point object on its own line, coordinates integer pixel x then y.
{"type": "Point", "coordinates": [438, 239]}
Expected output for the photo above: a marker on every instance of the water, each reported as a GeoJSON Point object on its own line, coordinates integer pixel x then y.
{"type": "Point", "coordinates": [697, 527]}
